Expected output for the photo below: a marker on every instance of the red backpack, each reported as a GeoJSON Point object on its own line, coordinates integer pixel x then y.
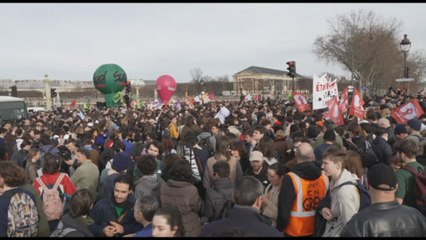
{"type": "Point", "coordinates": [419, 189]}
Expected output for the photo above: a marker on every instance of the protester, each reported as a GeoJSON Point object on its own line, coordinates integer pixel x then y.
{"type": "Point", "coordinates": [167, 222]}
{"type": "Point", "coordinates": [245, 215]}
{"type": "Point", "coordinates": [297, 185]}
{"type": "Point", "coordinates": [385, 217]}
{"type": "Point", "coordinates": [145, 208]}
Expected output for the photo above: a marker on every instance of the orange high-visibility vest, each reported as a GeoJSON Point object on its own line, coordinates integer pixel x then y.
{"type": "Point", "coordinates": [308, 194]}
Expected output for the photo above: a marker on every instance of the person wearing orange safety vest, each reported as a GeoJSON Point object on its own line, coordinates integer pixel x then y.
{"type": "Point", "coordinates": [301, 191]}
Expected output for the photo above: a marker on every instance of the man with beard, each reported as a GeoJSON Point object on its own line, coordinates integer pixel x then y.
{"type": "Point", "coordinates": [114, 216]}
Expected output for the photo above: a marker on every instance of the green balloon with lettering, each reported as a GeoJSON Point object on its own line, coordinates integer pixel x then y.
{"type": "Point", "coordinates": [110, 79]}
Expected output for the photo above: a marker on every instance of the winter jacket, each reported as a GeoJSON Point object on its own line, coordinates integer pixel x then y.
{"type": "Point", "coordinates": [383, 150]}
{"type": "Point", "coordinates": [80, 224]}
{"type": "Point", "coordinates": [345, 202]}
{"type": "Point", "coordinates": [20, 157]}
{"type": "Point", "coordinates": [104, 212]}
{"type": "Point", "coordinates": [148, 186]}
{"type": "Point", "coordinates": [389, 219]}
{"type": "Point", "coordinates": [185, 197]}
{"type": "Point", "coordinates": [221, 190]}
{"type": "Point", "coordinates": [244, 219]}
{"type": "Point", "coordinates": [86, 176]}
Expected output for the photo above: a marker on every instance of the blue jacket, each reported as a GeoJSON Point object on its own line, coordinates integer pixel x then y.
{"type": "Point", "coordinates": [104, 212]}
{"type": "Point", "coordinates": [244, 220]}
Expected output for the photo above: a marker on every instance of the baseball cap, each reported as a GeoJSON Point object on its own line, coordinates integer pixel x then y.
{"type": "Point", "coordinates": [382, 176]}
{"type": "Point", "coordinates": [256, 156]}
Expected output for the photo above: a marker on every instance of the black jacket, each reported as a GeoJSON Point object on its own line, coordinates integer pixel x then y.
{"type": "Point", "coordinates": [287, 196]}
{"type": "Point", "coordinates": [382, 149]}
{"type": "Point", "coordinates": [242, 220]}
{"type": "Point", "coordinates": [386, 220]}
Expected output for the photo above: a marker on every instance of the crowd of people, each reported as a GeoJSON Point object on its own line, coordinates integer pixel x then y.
{"type": "Point", "coordinates": [258, 169]}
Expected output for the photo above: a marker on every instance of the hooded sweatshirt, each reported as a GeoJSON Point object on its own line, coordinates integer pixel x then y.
{"type": "Point", "coordinates": [148, 186]}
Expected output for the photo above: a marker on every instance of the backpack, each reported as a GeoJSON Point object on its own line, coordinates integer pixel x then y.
{"type": "Point", "coordinates": [61, 231]}
{"type": "Point", "coordinates": [205, 145]}
{"type": "Point", "coordinates": [224, 211]}
{"type": "Point", "coordinates": [53, 205]}
{"type": "Point", "coordinates": [365, 199]}
{"type": "Point", "coordinates": [419, 189]}
{"type": "Point", "coordinates": [22, 214]}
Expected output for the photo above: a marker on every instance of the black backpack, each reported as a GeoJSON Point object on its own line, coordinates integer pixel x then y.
{"type": "Point", "coordinates": [205, 145]}
{"type": "Point", "coordinates": [365, 199]}
{"type": "Point", "coordinates": [224, 211]}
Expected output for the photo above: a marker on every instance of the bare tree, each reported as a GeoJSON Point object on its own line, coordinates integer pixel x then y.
{"type": "Point", "coordinates": [367, 46]}
{"type": "Point", "coordinates": [196, 74]}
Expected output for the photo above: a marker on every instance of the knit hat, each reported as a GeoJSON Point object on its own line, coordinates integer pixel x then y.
{"type": "Point", "coordinates": [256, 156]}
{"type": "Point", "coordinates": [120, 161]}
{"type": "Point", "coordinates": [382, 174]}
{"type": "Point", "coordinates": [415, 124]}
{"type": "Point", "coordinates": [400, 128]}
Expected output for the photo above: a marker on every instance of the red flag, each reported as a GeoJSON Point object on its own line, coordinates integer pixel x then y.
{"type": "Point", "coordinates": [73, 103]}
{"type": "Point", "coordinates": [344, 102]}
{"type": "Point", "coordinates": [301, 102]}
{"type": "Point", "coordinates": [212, 96]}
{"type": "Point", "coordinates": [407, 111]}
{"type": "Point", "coordinates": [357, 108]}
{"type": "Point", "coordinates": [334, 112]}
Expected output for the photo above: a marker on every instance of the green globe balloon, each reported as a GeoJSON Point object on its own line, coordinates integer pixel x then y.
{"type": "Point", "coordinates": [110, 79]}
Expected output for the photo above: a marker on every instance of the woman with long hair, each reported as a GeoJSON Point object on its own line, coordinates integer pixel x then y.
{"type": "Point", "coordinates": [180, 191]}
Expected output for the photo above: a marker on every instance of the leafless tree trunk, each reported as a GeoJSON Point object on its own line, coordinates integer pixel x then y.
{"type": "Point", "coordinates": [368, 46]}
{"type": "Point", "coordinates": [196, 74]}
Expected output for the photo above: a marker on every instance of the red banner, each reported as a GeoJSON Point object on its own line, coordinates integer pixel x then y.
{"type": "Point", "coordinates": [334, 112]}
{"type": "Point", "coordinates": [73, 103]}
{"type": "Point", "coordinates": [357, 108]}
{"type": "Point", "coordinates": [344, 102]}
{"type": "Point", "coordinates": [301, 102]}
{"type": "Point", "coordinates": [407, 111]}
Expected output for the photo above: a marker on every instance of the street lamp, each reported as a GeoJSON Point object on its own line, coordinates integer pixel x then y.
{"type": "Point", "coordinates": [405, 47]}
{"type": "Point", "coordinates": [202, 90]}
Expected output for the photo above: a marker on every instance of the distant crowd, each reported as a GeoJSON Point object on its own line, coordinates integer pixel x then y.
{"type": "Point", "coordinates": [238, 169]}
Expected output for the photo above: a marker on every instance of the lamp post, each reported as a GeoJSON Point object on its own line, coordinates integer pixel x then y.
{"type": "Point", "coordinates": [405, 47]}
{"type": "Point", "coordinates": [202, 90]}
{"type": "Point", "coordinates": [47, 84]}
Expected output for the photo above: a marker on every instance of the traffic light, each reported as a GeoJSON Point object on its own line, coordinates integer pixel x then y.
{"type": "Point", "coordinates": [14, 91]}
{"type": "Point", "coordinates": [291, 69]}
{"type": "Point", "coordinates": [53, 93]}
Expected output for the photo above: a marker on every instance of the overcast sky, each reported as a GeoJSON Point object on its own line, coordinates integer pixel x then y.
{"type": "Point", "coordinates": [70, 41]}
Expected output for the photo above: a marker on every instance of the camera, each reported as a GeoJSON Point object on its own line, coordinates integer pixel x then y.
{"type": "Point", "coordinates": [347, 136]}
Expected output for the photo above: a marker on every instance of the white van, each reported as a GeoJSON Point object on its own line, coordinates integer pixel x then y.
{"type": "Point", "coordinates": [12, 108]}
{"type": "Point", "coordinates": [36, 109]}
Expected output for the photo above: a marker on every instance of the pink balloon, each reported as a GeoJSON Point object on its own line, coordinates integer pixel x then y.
{"type": "Point", "coordinates": [166, 87]}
